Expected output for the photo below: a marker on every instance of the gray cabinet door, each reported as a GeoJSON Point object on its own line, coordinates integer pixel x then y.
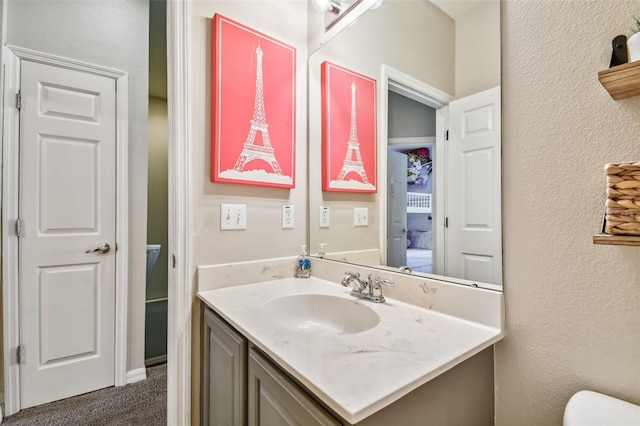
{"type": "Point", "coordinates": [275, 400]}
{"type": "Point", "coordinates": [224, 383]}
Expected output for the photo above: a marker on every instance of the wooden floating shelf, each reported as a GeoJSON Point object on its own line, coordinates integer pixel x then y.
{"type": "Point", "coordinates": [617, 240]}
{"type": "Point", "coordinates": [622, 81]}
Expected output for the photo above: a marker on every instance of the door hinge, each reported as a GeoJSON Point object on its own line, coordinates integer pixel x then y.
{"type": "Point", "coordinates": [18, 100]}
{"type": "Point", "coordinates": [446, 222]}
{"type": "Point", "coordinates": [19, 354]}
{"type": "Point", "coordinates": [19, 227]}
{"type": "Point", "coordinates": [446, 135]}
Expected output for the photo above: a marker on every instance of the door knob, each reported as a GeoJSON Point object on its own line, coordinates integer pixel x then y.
{"type": "Point", "coordinates": [404, 229]}
{"type": "Point", "coordinates": [102, 249]}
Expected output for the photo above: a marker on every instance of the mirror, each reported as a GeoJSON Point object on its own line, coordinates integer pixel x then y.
{"type": "Point", "coordinates": [334, 9]}
{"type": "Point", "coordinates": [437, 67]}
{"type": "Point", "coordinates": [327, 18]}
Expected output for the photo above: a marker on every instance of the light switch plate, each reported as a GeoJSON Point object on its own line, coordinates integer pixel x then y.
{"type": "Point", "coordinates": [360, 216]}
{"type": "Point", "coordinates": [287, 217]}
{"type": "Point", "coordinates": [233, 216]}
{"type": "Point", "coordinates": [324, 217]}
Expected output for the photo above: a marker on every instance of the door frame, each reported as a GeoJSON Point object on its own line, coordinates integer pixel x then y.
{"type": "Point", "coordinates": [12, 59]}
{"type": "Point", "coordinates": [406, 85]}
{"type": "Point", "coordinates": [181, 287]}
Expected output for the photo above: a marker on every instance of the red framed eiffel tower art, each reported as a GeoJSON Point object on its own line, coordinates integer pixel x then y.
{"type": "Point", "coordinates": [349, 137]}
{"type": "Point", "coordinates": [253, 107]}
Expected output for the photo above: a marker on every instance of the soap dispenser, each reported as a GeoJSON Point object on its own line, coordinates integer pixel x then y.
{"type": "Point", "coordinates": [303, 267]}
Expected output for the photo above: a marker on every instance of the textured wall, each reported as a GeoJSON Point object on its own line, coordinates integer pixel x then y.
{"type": "Point", "coordinates": [572, 308]}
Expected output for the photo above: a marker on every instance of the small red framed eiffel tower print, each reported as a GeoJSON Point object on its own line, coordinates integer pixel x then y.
{"type": "Point", "coordinates": [348, 130]}
{"type": "Point", "coordinates": [253, 107]}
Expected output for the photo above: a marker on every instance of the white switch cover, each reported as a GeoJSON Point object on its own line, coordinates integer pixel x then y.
{"type": "Point", "coordinates": [360, 216]}
{"type": "Point", "coordinates": [287, 217]}
{"type": "Point", "coordinates": [233, 216]}
{"type": "Point", "coordinates": [324, 217]}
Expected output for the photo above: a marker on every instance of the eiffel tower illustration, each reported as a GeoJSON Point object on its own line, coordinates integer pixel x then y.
{"type": "Point", "coordinates": [353, 150]}
{"type": "Point", "coordinates": [250, 151]}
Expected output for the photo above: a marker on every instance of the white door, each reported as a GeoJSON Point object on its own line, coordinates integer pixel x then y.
{"type": "Point", "coordinates": [67, 206]}
{"type": "Point", "coordinates": [473, 202]}
{"type": "Point", "coordinates": [396, 209]}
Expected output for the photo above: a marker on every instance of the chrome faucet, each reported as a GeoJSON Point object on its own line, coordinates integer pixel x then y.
{"type": "Point", "coordinates": [405, 269]}
{"type": "Point", "coordinates": [368, 289]}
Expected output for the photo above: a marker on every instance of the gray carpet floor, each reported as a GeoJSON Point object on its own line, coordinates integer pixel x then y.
{"type": "Point", "coordinates": [141, 403]}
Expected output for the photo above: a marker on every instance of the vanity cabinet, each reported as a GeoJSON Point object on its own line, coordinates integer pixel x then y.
{"type": "Point", "coordinates": [276, 400]}
{"type": "Point", "coordinates": [224, 373]}
{"type": "Point", "coordinates": [243, 386]}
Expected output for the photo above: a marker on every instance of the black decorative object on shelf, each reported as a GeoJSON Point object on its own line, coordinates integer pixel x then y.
{"type": "Point", "coordinates": [619, 54]}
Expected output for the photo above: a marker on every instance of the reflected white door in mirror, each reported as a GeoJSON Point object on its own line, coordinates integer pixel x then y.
{"type": "Point", "coordinates": [459, 234]}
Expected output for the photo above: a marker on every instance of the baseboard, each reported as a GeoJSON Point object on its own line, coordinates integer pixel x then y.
{"type": "Point", "coordinates": [138, 375]}
{"type": "Point", "coordinates": [152, 362]}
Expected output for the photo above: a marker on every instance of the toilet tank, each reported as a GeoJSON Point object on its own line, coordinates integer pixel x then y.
{"type": "Point", "coordinates": [587, 408]}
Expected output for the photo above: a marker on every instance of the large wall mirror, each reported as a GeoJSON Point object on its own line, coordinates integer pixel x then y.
{"type": "Point", "coordinates": [437, 207]}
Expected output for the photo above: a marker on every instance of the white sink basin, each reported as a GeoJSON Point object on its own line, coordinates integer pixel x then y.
{"type": "Point", "coordinates": [320, 313]}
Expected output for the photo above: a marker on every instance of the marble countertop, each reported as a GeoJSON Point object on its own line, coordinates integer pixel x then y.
{"type": "Point", "coordinates": [354, 374]}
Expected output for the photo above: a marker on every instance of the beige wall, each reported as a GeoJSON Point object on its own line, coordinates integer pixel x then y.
{"type": "Point", "coordinates": [478, 49]}
{"type": "Point", "coordinates": [572, 308]}
{"type": "Point", "coordinates": [285, 21]}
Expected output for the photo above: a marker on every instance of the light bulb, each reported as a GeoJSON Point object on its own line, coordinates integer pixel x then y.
{"type": "Point", "coordinates": [321, 5]}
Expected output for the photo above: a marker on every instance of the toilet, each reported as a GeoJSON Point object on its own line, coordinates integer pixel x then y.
{"type": "Point", "coordinates": [153, 251]}
{"type": "Point", "coordinates": [586, 408]}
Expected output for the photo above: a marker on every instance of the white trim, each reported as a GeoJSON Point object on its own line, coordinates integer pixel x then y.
{"type": "Point", "coordinates": [10, 159]}
{"type": "Point", "coordinates": [439, 187]}
{"type": "Point", "coordinates": [10, 295]}
{"type": "Point", "coordinates": [59, 61]}
{"type": "Point", "coordinates": [122, 229]}
{"type": "Point", "coordinates": [137, 375]}
{"type": "Point", "coordinates": [180, 275]}
{"type": "Point", "coordinates": [396, 81]}
{"type": "Point", "coordinates": [410, 142]}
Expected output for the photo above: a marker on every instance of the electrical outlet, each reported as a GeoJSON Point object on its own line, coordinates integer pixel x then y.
{"type": "Point", "coordinates": [360, 216]}
{"type": "Point", "coordinates": [233, 216]}
{"type": "Point", "coordinates": [324, 217]}
{"type": "Point", "coordinates": [287, 217]}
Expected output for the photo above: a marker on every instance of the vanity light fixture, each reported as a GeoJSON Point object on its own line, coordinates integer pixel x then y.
{"type": "Point", "coordinates": [327, 6]}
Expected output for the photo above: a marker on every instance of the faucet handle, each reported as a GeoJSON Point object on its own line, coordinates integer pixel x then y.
{"type": "Point", "coordinates": [376, 286]}
{"type": "Point", "coordinates": [377, 281]}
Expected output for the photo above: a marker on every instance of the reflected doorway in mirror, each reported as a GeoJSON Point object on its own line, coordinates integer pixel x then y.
{"type": "Point", "coordinates": [348, 130]}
